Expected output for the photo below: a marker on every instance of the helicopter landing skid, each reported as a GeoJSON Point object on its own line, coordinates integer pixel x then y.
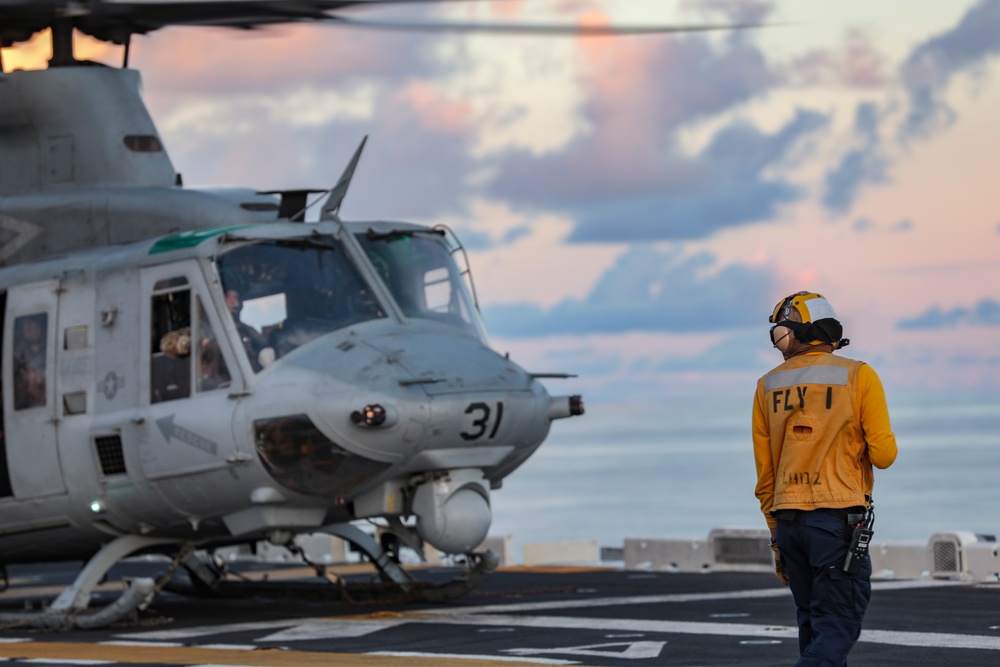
{"type": "Point", "coordinates": [69, 610]}
{"type": "Point", "coordinates": [350, 592]}
{"type": "Point", "coordinates": [209, 577]}
{"type": "Point", "coordinates": [397, 585]}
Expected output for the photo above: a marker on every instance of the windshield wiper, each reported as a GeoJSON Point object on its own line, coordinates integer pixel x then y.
{"type": "Point", "coordinates": [316, 241]}
{"type": "Point", "coordinates": [306, 242]}
{"type": "Point", "coordinates": [394, 234]}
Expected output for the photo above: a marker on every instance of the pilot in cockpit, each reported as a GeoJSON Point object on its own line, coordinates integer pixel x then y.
{"type": "Point", "coordinates": [252, 339]}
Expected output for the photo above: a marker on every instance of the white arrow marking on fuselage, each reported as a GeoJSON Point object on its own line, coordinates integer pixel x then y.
{"type": "Point", "coordinates": [23, 232]}
{"type": "Point", "coordinates": [171, 430]}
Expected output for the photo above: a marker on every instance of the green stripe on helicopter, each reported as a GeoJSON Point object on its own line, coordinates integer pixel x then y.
{"type": "Point", "coordinates": [183, 240]}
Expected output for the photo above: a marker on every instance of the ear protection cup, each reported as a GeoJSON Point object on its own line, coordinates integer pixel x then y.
{"type": "Point", "coordinates": [781, 337]}
{"type": "Point", "coordinates": [817, 322]}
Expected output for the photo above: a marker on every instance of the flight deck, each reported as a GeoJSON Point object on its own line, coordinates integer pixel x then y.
{"type": "Point", "coordinates": [596, 616]}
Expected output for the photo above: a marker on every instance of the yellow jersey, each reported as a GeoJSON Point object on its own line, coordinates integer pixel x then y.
{"type": "Point", "coordinates": [820, 423]}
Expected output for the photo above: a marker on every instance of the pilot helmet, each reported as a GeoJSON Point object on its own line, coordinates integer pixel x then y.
{"type": "Point", "coordinates": [819, 323]}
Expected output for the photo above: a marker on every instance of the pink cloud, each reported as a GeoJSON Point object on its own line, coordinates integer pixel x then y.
{"type": "Point", "coordinates": [436, 113]}
{"type": "Point", "coordinates": [223, 61]}
{"type": "Point", "coordinates": [858, 64]}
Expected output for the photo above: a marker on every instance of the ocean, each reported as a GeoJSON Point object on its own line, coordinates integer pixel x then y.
{"type": "Point", "coordinates": [680, 469]}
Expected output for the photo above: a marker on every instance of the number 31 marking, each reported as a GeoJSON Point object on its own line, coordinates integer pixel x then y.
{"type": "Point", "coordinates": [481, 420]}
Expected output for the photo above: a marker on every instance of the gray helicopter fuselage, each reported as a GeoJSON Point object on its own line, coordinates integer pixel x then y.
{"type": "Point", "coordinates": [82, 165]}
{"type": "Point", "coordinates": [371, 391]}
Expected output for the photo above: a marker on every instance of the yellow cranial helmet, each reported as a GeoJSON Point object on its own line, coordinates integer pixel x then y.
{"type": "Point", "coordinates": [810, 306]}
{"type": "Point", "coordinates": [819, 323]}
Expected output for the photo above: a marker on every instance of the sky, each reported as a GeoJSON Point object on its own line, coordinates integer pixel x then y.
{"type": "Point", "coordinates": [635, 206]}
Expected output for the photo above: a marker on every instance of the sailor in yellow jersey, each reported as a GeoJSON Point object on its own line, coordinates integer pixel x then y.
{"type": "Point", "coordinates": [820, 423]}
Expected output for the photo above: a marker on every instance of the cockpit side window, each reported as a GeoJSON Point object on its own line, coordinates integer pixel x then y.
{"type": "Point", "coordinates": [284, 293]}
{"type": "Point", "coordinates": [170, 347]}
{"type": "Point", "coordinates": [212, 372]}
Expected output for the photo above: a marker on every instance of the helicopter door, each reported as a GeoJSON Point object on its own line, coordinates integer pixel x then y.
{"type": "Point", "coordinates": [29, 407]}
{"type": "Point", "coordinates": [188, 376]}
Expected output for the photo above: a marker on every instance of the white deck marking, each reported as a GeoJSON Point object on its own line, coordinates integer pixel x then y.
{"type": "Point", "coordinates": [303, 629]}
{"type": "Point", "coordinates": [203, 630]}
{"type": "Point", "coordinates": [460, 656]}
{"type": "Point", "coordinates": [619, 625]}
{"type": "Point", "coordinates": [63, 661]}
{"type": "Point", "coordinates": [920, 639]}
{"type": "Point", "coordinates": [634, 650]}
{"type": "Point", "coordinates": [123, 642]}
{"type": "Point", "coordinates": [930, 639]}
{"type": "Point", "coordinates": [332, 628]}
{"type": "Point", "coordinates": [754, 593]}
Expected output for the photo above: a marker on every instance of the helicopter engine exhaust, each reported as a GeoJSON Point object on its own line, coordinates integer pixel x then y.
{"type": "Point", "coordinates": [453, 510]}
{"type": "Point", "coordinates": [561, 407]}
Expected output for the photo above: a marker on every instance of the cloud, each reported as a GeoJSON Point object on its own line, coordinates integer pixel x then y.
{"type": "Point", "coordinates": [301, 100]}
{"type": "Point", "coordinates": [858, 65]}
{"type": "Point", "coordinates": [864, 164]}
{"type": "Point", "coordinates": [866, 224]}
{"type": "Point", "coordinates": [736, 11]}
{"type": "Point", "coordinates": [179, 63]}
{"type": "Point", "coordinates": [933, 64]}
{"type": "Point", "coordinates": [684, 197]}
{"type": "Point", "coordinates": [629, 178]}
{"type": "Point", "coordinates": [732, 353]}
{"type": "Point", "coordinates": [925, 75]}
{"type": "Point", "coordinates": [733, 191]}
{"type": "Point", "coordinates": [648, 290]}
{"type": "Point", "coordinates": [985, 313]}
{"type": "Point", "coordinates": [863, 224]}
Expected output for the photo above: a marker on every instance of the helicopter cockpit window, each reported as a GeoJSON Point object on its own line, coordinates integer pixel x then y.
{"type": "Point", "coordinates": [30, 342]}
{"type": "Point", "coordinates": [284, 293]}
{"type": "Point", "coordinates": [418, 269]}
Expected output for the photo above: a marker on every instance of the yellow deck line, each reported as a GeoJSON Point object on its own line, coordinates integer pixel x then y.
{"type": "Point", "coordinates": [192, 655]}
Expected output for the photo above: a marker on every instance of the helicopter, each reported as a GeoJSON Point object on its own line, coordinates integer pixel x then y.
{"type": "Point", "coordinates": [140, 414]}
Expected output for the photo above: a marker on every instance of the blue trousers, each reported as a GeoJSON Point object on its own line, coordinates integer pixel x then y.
{"type": "Point", "coordinates": [830, 604]}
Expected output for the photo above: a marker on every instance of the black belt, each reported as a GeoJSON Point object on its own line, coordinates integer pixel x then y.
{"type": "Point", "coordinates": [839, 512]}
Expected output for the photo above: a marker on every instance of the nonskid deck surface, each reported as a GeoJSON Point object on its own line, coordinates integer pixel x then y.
{"type": "Point", "coordinates": [521, 616]}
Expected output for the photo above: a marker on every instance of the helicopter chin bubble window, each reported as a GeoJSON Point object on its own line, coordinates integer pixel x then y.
{"type": "Point", "coordinates": [283, 293]}
{"type": "Point", "coordinates": [301, 458]}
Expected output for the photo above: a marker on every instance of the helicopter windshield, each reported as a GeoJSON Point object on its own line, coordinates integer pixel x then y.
{"type": "Point", "coordinates": [417, 267]}
{"type": "Point", "coordinates": [284, 293]}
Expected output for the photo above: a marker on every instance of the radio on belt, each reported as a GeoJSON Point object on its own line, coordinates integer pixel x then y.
{"type": "Point", "coordinates": [860, 540]}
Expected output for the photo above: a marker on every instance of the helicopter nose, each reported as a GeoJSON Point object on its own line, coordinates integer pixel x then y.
{"type": "Point", "coordinates": [418, 423]}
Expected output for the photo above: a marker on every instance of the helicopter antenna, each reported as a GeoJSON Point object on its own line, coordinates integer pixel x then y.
{"type": "Point", "coordinates": [339, 191]}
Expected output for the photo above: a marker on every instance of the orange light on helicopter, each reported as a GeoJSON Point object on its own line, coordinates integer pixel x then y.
{"type": "Point", "coordinates": [369, 416]}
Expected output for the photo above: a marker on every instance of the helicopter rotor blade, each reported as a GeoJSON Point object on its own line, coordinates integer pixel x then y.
{"type": "Point", "coordinates": [539, 29]}
{"type": "Point", "coordinates": [117, 20]}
